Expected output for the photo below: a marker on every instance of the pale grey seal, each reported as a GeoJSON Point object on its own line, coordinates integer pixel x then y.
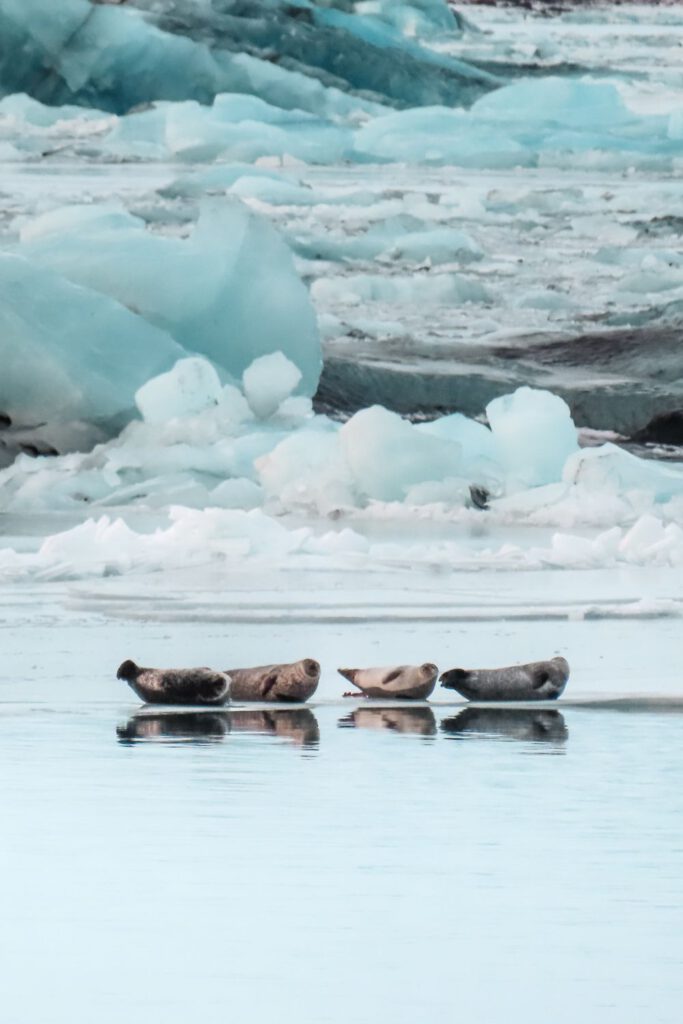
{"type": "Point", "coordinates": [176, 685]}
{"type": "Point", "coordinates": [292, 683]}
{"type": "Point", "coordinates": [526, 724]}
{"type": "Point", "coordinates": [416, 720]}
{"type": "Point", "coordinates": [538, 680]}
{"type": "Point", "coordinates": [406, 682]}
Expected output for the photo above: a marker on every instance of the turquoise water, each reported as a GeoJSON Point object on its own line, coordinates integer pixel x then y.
{"type": "Point", "coordinates": [340, 863]}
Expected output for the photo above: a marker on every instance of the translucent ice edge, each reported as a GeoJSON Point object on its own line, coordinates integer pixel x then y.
{"type": "Point", "coordinates": [544, 121]}
{"type": "Point", "coordinates": [232, 466]}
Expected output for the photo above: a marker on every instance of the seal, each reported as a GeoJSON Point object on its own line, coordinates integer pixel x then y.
{"type": "Point", "coordinates": [406, 682]}
{"type": "Point", "coordinates": [176, 685]}
{"type": "Point", "coordinates": [538, 680]}
{"type": "Point", "coordinates": [291, 683]}
{"type": "Point", "coordinates": [529, 725]}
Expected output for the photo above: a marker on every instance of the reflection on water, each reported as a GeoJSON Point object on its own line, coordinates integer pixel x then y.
{"type": "Point", "coordinates": [193, 726]}
{"type": "Point", "coordinates": [526, 724]}
{"type": "Point", "coordinates": [420, 721]}
{"type": "Point", "coordinates": [323, 885]}
{"type": "Point", "coordinates": [296, 724]}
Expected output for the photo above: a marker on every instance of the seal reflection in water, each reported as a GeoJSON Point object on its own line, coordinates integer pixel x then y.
{"type": "Point", "coordinates": [175, 685]}
{"type": "Point", "coordinates": [299, 725]}
{"type": "Point", "coordinates": [419, 721]}
{"type": "Point", "coordinates": [539, 680]}
{"type": "Point", "coordinates": [405, 682]}
{"type": "Point", "coordinates": [182, 726]}
{"type": "Point", "coordinates": [292, 683]}
{"type": "Point", "coordinates": [296, 724]}
{"type": "Point", "coordinates": [526, 724]}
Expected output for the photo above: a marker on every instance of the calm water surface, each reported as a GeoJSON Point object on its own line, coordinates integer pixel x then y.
{"type": "Point", "coordinates": [340, 863]}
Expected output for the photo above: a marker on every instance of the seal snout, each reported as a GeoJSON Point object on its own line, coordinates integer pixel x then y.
{"type": "Point", "coordinates": [311, 667]}
{"type": "Point", "coordinates": [452, 677]}
{"type": "Point", "coordinates": [127, 670]}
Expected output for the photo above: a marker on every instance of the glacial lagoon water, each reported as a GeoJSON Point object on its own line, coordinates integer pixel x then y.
{"type": "Point", "coordinates": [343, 861]}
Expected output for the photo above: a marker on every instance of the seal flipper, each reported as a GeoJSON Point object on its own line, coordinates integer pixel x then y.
{"type": "Point", "coordinates": [268, 684]}
{"type": "Point", "coordinates": [392, 675]}
{"type": "Point", "coordinates": [350, 674]}
{"type": "Point", "coordinates": [541, 677]}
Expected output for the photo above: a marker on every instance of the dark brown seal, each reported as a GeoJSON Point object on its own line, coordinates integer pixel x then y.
{"type": "Point", "coordinates": [175, 685]}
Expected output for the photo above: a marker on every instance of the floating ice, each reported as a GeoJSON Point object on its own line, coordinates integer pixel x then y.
{"type": "Point", "coordinates": [400, 289]}
{"type": "Point", "coordinates": [609, 468]}
{"type": "Point", "coordinates": [68, 353]}
{"type": "Point", "coordinates": [112, 57]}
{"type": "Point", "coordinates": [236, 127]}
{"type": "Point", "coordinates": [440, 135]}
{"type": "Point", "coordinates": [229, 292]}
{"type": "Point", "coordinates": [307, 470]}
{"type": "Point", "coordinates": [481, 455]}
{"type": "Point", "coordinates": [268, 381]}
{"type": "Point", "coordinates": [535, 435]}
{"type": "Point", "coordinates": [387, 455]}
{"type": "Point", "coordinates": [559, 101]}
{"type": "Point", "coordinates": [192, 385]}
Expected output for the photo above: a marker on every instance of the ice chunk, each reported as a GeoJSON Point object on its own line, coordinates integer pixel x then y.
{"type": "Point", "coordinates": [564, 101]}
{"type": "Point", "coordinates": [436, 289]}
{"type": "Point", "coordinates": [481, 459]}
{"type": "Point", "coordinates": [308, 470]}
{"type": "Point", "coordinates": [237, 493]}
{"type": "Point", "coordinates": [237, 127]}
{"type": "Point", "coordinates": [220, 178]}
{"type": "Point", "coordinates": [441, 135]}
{"type": "Point", "coordinates": [387, 455]}
{"type": "Point", "coordinates": [535, 435]}
{"type": "Point", "coordinates": [268, 381]}
{"type": "Point", "coordinates": [192, 385]}
{"type": "Point", "coordinates": [228, 292]}
{"type": "Point", "coordinates": [649, 541]}
{"type": "Point", "coordinates": [113, 57]}
{"type": "Point", "coordinates": [421, 18]}
{"type": "Point", "coordinates": [68, 353]}
{"type": "Point", "coordinates": [612, 469]}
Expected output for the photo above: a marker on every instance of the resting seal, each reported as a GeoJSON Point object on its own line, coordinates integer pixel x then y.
{"type": "Point", "coordinates": [526, 724]}
{"type": "Point", "coordinates": [407, 682]}
{"type": "Point", "coordinates": [539, 680]}
{"type": "Point", "coordinates": [292, 684]}
{"type": "Point", "coordinates": [176, 685]}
